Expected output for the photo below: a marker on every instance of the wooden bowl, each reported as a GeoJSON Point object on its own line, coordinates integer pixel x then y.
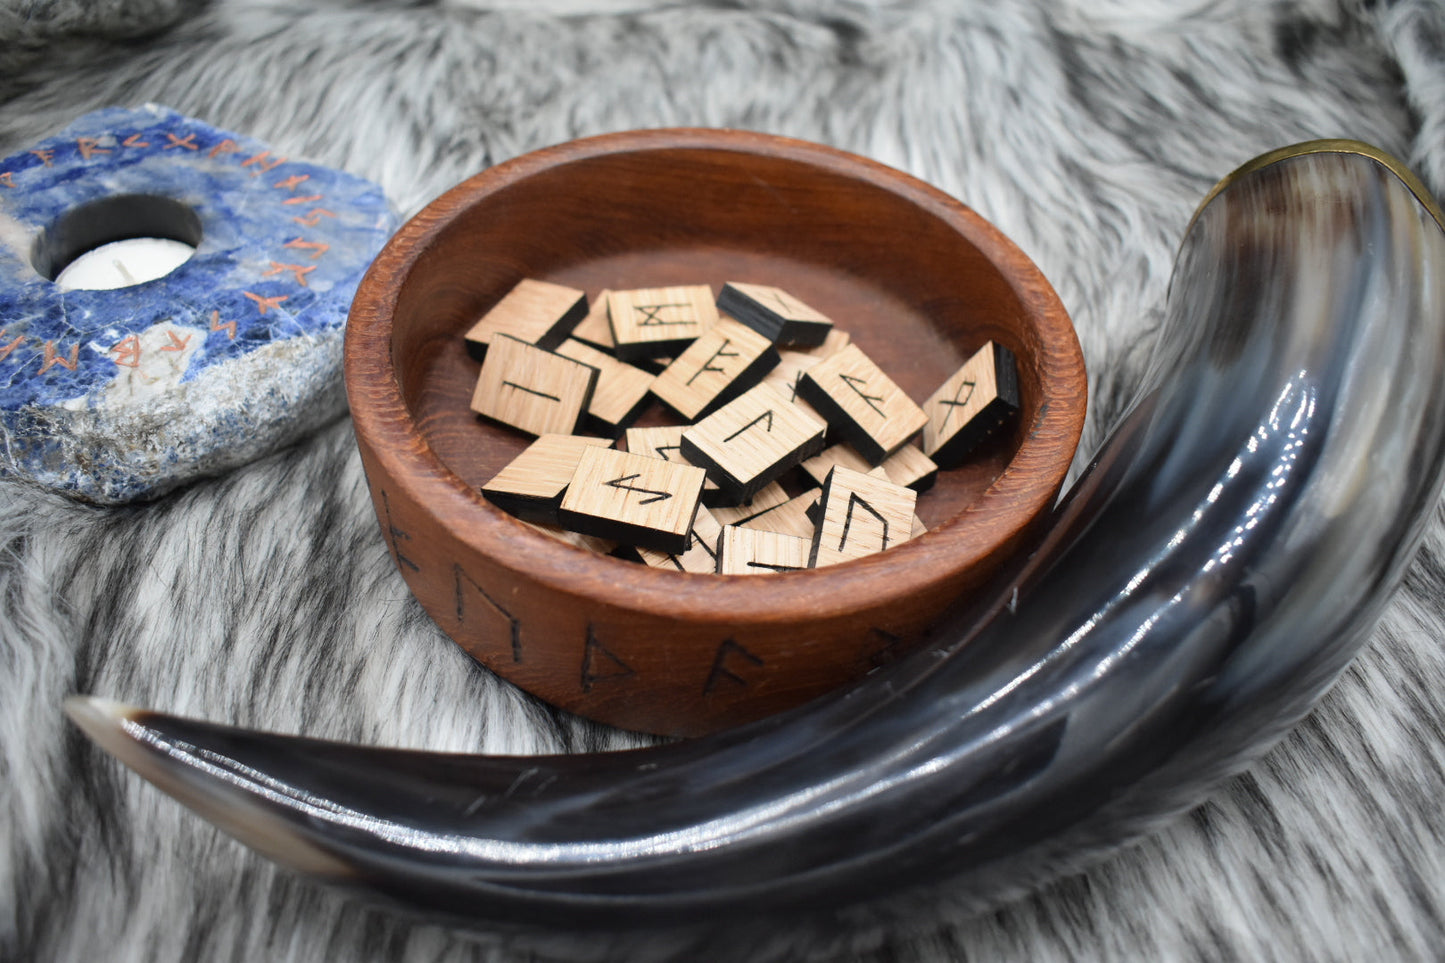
{"type": "Point", "coordinates": [920, 282]}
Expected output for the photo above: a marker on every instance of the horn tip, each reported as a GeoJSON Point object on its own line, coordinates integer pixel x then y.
{"type": "Point", "coordinates": [94, 714]}
{"type": "Point", "coordinates": [107, 723]}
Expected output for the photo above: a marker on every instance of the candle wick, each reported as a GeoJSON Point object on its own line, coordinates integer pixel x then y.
{"type": "Point", "coordinates": [123, 272]}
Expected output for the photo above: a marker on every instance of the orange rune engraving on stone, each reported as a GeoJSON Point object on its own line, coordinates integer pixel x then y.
{"type": "Point", "coordinates": [303, 200]}
{"type": "Point", "coordinates": [265, 304]}
{"type": "Point", "coordinates": [177, 344]}
{"type": "Point", "coordinates": [317, 248]}
{"type": "Point", "coordinates": [227, 146]}
{"type": "Point", "coordinates": [129, 350]}
{"type": "Point", "coordinates": [6, 349]}
{"type": "Point", "coordinates": [134, 141]}
{"type": "Point", "coordinates": [289, 184]}
{"type": "Point", "coordinates": [188, 142]}
{"type": "Point", "coordinates": [264, 164]}
{"type": "Point", "coordinates": [8, 179]}
{"type": "Point", "coordinates": [45, 154]}
{"type": "Point", "coordinates": [52, 359]}
{"type": "Point", "coordinates": [313, 216]}
{"type": "Point", "coordinates": [90, 146]}
{"type": "Point", "coordinates": [299, 270]}
{"type": "Point", "coordinates": [229, 327]}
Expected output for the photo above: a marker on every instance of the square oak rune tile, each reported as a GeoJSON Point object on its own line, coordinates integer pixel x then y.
{"type": "Point", "coordinates": [532, 390]}
{"type": "Point", "coordinates": [907, 466]}
{"type": "Point", "coordinates": [862, 514]}
{"type": "Point", "coordinates": [531, 485]}
{"type": "Point", "coordinates": [621, 392]}
{"type": "Point", "coordinates": [595, 329]}
{"type": "Point", "coordinates": [588, 543]}
{"type": "Point", "coordinates": [789, 518]}
{"type": "Point", "coordinates": [752, 440]}
{"type": "Point", "coordinates": [775, 313]}
{"type": "Point", "coordinates": [978, 400]}
{"type": "Point", "coordinates": [659, 322]}
{"type": "Point", "coordinates": [754, 551]}
{"type": "Point", "coordinates": [537, 312]}
{"type": "Point", "coordinates": [868, 410]}
{"type": "Point", "coordinates": [717, 367]}
{"type": "Point", "coordinates": [634, 499]}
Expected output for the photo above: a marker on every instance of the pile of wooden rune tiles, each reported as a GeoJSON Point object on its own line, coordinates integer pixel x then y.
{"type": "Point", "coordinates": [764, 384]}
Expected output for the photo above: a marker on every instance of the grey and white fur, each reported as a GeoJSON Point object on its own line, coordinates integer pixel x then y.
{"type": "Point", "coordinates": [1087, 131]}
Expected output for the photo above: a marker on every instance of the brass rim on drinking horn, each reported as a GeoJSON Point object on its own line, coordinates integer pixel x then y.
{"type": "Point", "coordinates": [1333, 145]}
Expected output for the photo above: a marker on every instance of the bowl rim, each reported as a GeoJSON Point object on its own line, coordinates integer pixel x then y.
{"type": "Point", "coordinates": [1017, 497]}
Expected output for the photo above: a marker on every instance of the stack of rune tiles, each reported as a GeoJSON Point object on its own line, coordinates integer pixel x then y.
{"type": "Point", "coordinates": [782, 445]}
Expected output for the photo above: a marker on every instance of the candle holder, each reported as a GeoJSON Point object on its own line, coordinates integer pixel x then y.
{"type": "Point", "coordinates": [112, 394]}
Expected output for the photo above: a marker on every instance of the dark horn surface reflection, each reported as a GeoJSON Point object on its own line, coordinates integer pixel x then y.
{"type": "Point", "coordinates": [1209, 576]}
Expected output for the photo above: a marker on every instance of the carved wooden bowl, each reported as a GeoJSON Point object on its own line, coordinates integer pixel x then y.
{"type": "Point", "coordinates": [920, 282]}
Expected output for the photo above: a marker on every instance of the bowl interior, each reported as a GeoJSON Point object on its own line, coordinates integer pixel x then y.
{"type": "Point", "coordinates": [861, 243]}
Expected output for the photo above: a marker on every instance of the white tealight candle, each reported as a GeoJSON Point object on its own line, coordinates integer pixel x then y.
{"type": "Point", "coordinates": [120, 264]}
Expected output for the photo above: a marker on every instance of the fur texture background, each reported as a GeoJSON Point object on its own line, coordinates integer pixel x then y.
{"type": "Point", "coordinates": [1087, 130]}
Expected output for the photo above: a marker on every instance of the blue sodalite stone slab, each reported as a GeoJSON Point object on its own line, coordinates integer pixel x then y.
{"type": "Point", "coordinates": [123, 394]}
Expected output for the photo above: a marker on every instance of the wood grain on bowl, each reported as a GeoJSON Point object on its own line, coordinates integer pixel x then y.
{"type": "Point", "coordinates": [926, 285]}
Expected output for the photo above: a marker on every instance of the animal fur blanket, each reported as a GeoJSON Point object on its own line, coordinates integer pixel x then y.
{"type": "Point", "coordinates": [1088, 130]}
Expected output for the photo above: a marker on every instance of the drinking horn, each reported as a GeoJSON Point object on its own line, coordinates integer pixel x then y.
{"type": "Point", "coordinates": [1228, 549]}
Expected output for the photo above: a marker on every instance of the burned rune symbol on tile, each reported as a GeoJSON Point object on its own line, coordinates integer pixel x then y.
{"type": "Point", "coordinates": [662, 450]}
{"type": "Point", "coordinates": [858, 384]}
{"type": "Point", "coordinates": [855, 501]}
{"type": "Point", "coordinates": [707, 365]}
{"type": "Point", "coordinates": [956, 403]}
{"type": "Point", "coordinates": [767, 419]}
{"type": "Point", "coordinates": [773, 566]}
{"type": "Point", "coordinates": [530, 391]}
{"type": "Point", "coordinates": [649, 314]}
{"type": "Point", "coordinates": [720, 671]}
{"type": "Point", "coordinates": [692, 540]}
{"type": "Point", "coordinates": [621, 483]}
{"type": "Point", "coordinates": [783, 304]}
